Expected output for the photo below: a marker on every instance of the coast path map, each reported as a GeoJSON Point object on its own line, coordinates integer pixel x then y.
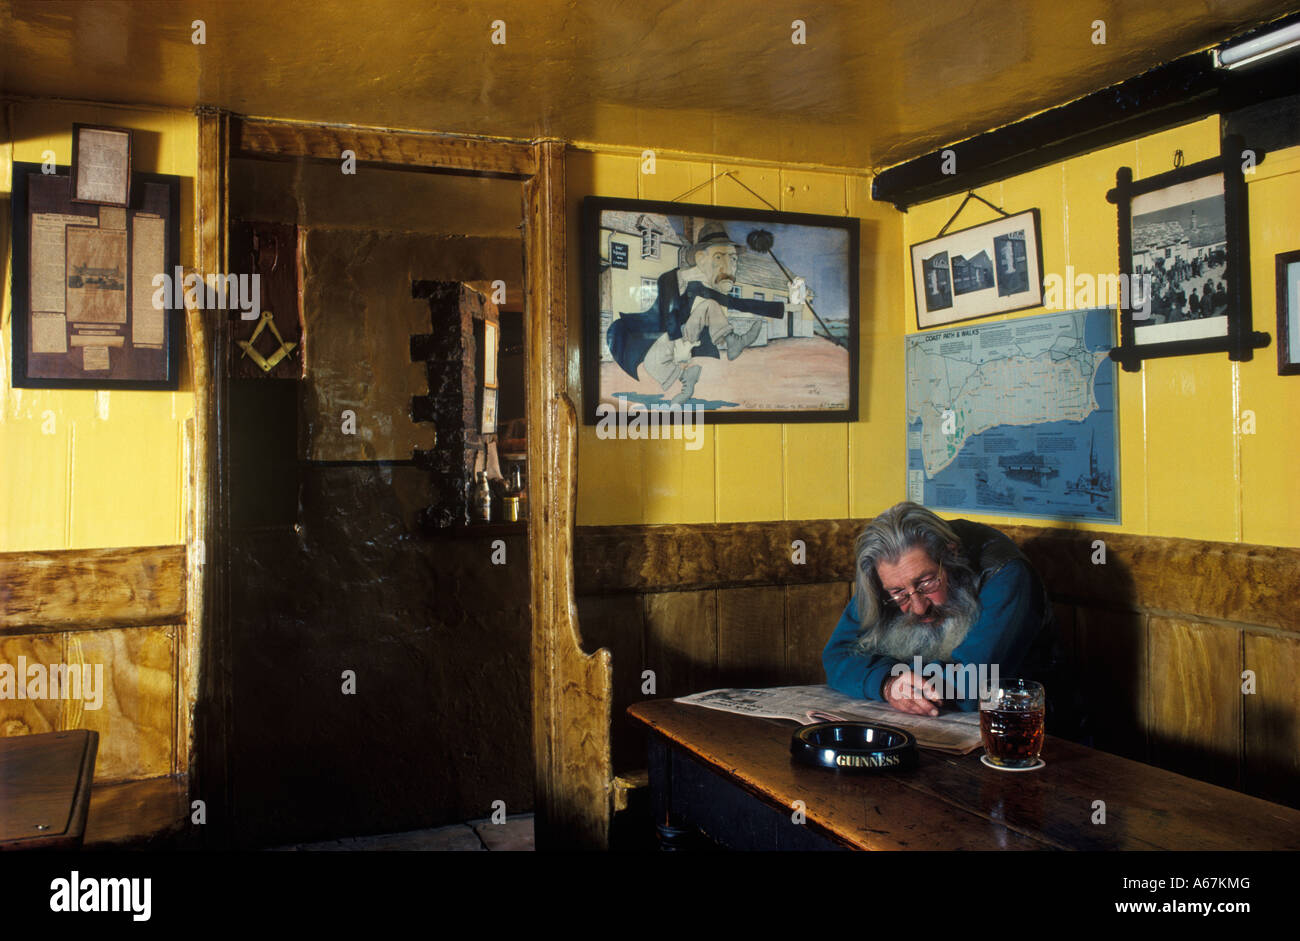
{"type": "Point", "coordinates": [1016, 418]}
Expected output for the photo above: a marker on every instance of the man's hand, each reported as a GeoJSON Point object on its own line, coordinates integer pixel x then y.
{"type": "Point", "coordinates": [908, 692]}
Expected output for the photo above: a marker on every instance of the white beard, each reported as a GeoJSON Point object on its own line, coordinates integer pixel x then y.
{"type": "Point", "coordinates": [902, 636]}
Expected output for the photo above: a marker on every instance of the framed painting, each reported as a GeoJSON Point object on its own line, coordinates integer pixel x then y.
{"type": "Point", "coordinates": [739, 314]}
{"type": "Point", "coordinates": [987, 269]}
{"type": "Point", "coordinates": [1288, 314]}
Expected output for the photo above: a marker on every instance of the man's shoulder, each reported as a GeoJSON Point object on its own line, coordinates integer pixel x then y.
{"type": "Point", "coordinates": [987, 549]}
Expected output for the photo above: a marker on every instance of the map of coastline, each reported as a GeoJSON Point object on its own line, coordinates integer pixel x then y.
{"type": "Point", "coordinates": [1015, 416]}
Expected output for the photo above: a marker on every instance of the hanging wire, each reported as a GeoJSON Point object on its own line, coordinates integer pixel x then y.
{"type": "Point", "coordinates": [969, 196]}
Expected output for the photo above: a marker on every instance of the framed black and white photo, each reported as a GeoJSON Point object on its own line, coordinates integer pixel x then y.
{"type": "Point", "coordinates": [986, 269]}
{"type": "Point", "coordinates": [101, 165]}
{"type": "Point", "coordinates": [1288, 314]}
{"type": "Point", "coordinates": [746, 315]}
{"type": "Point", "coordinates": [1182, 246]}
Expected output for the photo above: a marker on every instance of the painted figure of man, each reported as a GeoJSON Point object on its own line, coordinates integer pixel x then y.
{"type": "Point", "coordinates": [690, 317]}
{"type": "Point", "coordinates": [950, 592]}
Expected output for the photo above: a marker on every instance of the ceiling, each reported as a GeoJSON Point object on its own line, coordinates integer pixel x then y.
{"type": "Point", "coordinates": [875, 83]}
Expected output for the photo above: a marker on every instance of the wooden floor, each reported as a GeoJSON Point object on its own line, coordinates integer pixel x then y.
{"type": "Point", "coordinates": [472, 836]}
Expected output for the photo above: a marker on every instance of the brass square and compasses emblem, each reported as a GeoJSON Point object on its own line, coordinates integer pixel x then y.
{"type": "Point", "coordinates": [267, 363]}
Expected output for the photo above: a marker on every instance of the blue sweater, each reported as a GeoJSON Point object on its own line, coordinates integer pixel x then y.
{"type": "Point", "coordinates": [1007, 633]}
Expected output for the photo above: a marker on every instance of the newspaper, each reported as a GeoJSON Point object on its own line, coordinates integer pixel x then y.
{"type": "Point", "coordinates": [955, 733]}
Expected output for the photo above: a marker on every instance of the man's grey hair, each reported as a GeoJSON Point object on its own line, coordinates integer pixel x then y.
{"type": "Point", "coordinates": [888, 537]}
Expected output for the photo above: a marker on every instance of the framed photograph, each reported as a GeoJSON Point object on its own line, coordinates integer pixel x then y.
{"type": "Point", "coordinates": [1288, 314]}
{"type": "Point", "coordinates": [987, 269]}
{"type": "Point", "coordinates": [490, 345]}
{"type": "Point", "coordinates": [88, 308]}
{"type": "Point", "coordinates": [743, 315]}
{"type": "Point", "coordinates": [489, 412]}
{"type": "Point", "coordinates": [101, 165]}
{"type": "Point", "coordinates": [1182, 248]}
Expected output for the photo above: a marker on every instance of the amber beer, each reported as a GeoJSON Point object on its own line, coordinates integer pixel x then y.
{"type": "Point", "coordinates": [1011, 724]}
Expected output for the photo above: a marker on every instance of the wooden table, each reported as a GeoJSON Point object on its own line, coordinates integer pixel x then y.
{"type": "Point", "coordinates": [732, 778]}
{"type": "Point", "coordinates": [45, 789]}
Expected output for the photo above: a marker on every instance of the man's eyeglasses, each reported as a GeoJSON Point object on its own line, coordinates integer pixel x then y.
{"type": "Point", "coordinates": [925, 586]}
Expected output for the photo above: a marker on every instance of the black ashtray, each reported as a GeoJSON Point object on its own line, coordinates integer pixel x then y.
{"type": "Point", "coordinates": [853, 746]}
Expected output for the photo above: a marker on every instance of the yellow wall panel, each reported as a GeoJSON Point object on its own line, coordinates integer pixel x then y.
{"type": "Point", "coordinates": [1270, 490]}
{"type": "Point", "coordinates": [57, 491]}
{"type": "Point", "coordinates": [821, 193]}
{"type": "Point", "coordinates": [764, 181]}
{"type": "Point", "coordinates": [749, 473]}
{"type": "Point", "coordinates": [33, 485]}
{"type": "Point", "coordinates": [673, 178]}
{"type": "Point", "coordinates": [816, 471]}
{"type": "Point", "coordinates": [1191, 465]}
{"type": "Point", "coordinates": [125, 488]}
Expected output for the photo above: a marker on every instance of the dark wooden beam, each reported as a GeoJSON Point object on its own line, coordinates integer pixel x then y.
{"type": "Point", "coordinates": [1175, 93]}
{"type": "Point", "coordinates": [258, 138]}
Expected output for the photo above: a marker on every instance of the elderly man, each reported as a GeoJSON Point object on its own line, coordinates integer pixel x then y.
{"type": "Point", "coordinates": [690, 317]}
{"type": "Point", "coordinates": [948, 592]}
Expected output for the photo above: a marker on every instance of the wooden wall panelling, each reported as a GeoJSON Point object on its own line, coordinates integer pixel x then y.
{"type": "Point", "coordinates": [678, 557]}
{"type": "Point", "coordinates": [205, 641]}
{"type": "Point", "coordinates": [282, 139]}
{"type": "Point", "coordinates": [751, 636]}
{"type": "Point", "coordinates": [571, 689]}
{"type": "Point", "coordinates": [1194, 696]}
{"type": "Point", "coordinates": [79, 588]}
{"type": "Point", "coordinates": [811, 613]}
{"type": "Point", "coordinates": [1250, 584]}
{"type": "Point", "coordinates": [136, 715]}
{"type": "Point", "coordinates": [31, 716]}
{"type": "Point", "coordinates": [681, 641]}
{"type": "Point", "coordinates": [1112, 670]}
{"type": "Point", "coordinates": [1271, 767]}
{"type": "Point", "coordinates": [617, 623]}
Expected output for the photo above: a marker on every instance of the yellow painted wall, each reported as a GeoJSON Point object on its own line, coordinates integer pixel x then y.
{"type": "Point", "coordinates": [1187, 469]}
{"type": "Point", "coordinates": [752, 472]}
{"type": "Point", "coordinates": [79, 468]}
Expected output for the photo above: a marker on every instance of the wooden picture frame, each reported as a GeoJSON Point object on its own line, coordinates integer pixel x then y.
{"type": "Point", "coordinates": [777, 343]}
{"type": "Point", "coordinates": [488, 424]}
{"type": "Point", "coordinates": [101, 165]}
{"type": "Point", "coordinates": [97, 326]}
{"type": "Point", "coordinates": [992, 268]}
{"type": "Point", "coordinates": [1288, 313]}
{"type": "Point", "coordinates": [1180, 231]}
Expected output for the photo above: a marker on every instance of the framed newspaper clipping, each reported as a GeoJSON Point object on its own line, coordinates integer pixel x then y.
{"type": "Point", "coordinates": [94, 299]}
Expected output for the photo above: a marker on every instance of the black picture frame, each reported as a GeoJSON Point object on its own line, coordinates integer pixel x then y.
{"type": "Point", "coordinates": [148, 369]}
{"type": "Point", "coordinates": [77, 166]}
{"type": "Point", "coordinates": [1288, 308]}
{"type": "Point", "coordinates": [667, 233]}
{"type": "Point", "coordinates": [930, 309]}
{"type": "Point", "coordinates": [1237, 339]}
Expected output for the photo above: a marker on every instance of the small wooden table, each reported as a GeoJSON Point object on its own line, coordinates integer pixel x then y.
{"type": "Point", "coordinates": [732, 778]}
{"type": "Point", "coordinates": [45, 789]}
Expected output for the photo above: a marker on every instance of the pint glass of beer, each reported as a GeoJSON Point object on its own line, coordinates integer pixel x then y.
{"type": "Point", "coordinates": [1011, 724]}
